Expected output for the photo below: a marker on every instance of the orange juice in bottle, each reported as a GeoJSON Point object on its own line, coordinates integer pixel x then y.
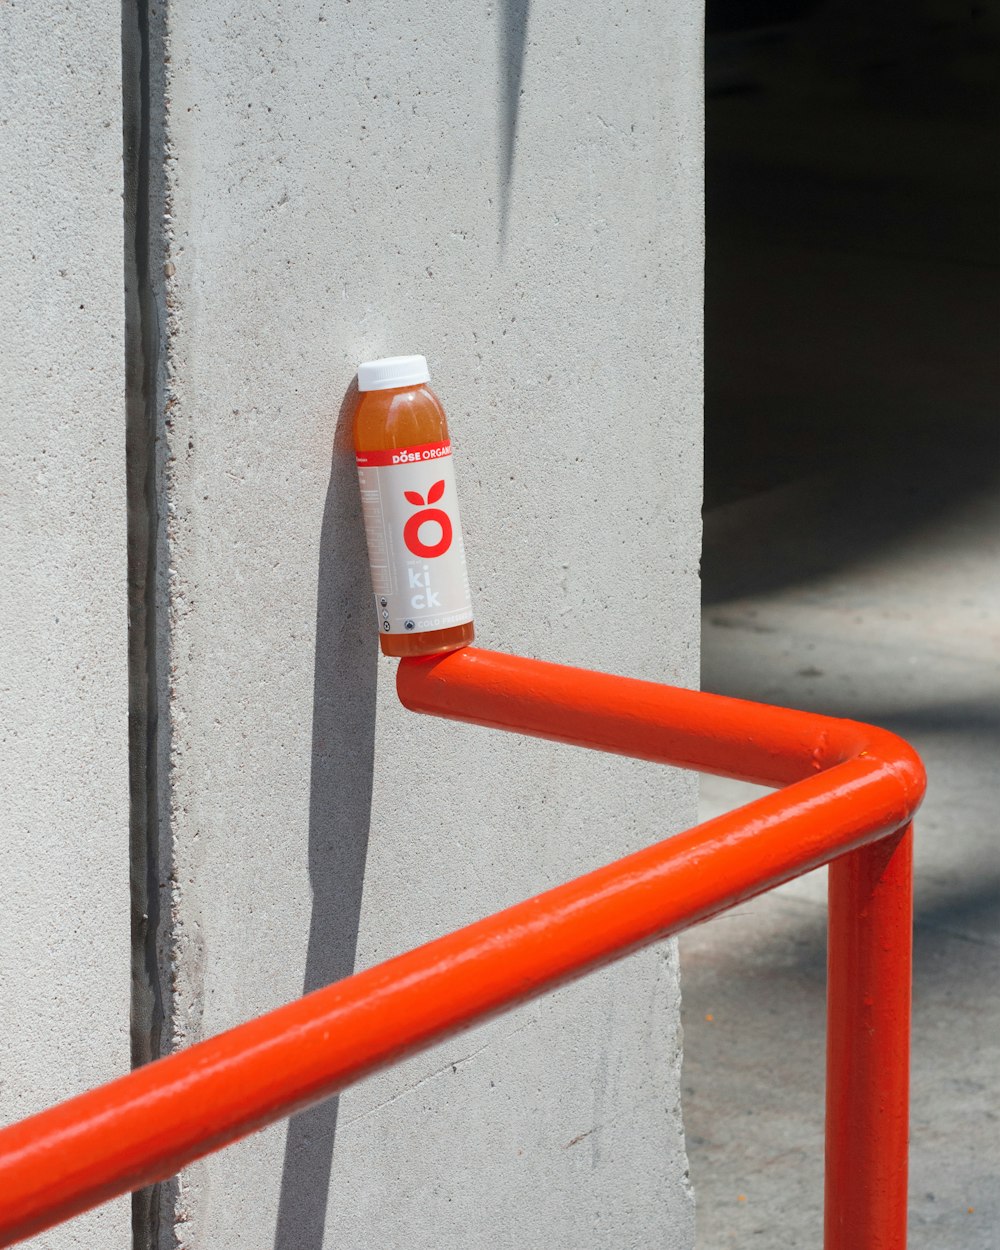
{"type": "Point", "coordinates": [406, 473]}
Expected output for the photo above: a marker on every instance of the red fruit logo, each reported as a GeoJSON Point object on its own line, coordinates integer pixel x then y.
{"type": "Point", "coordinates": [411, 529]}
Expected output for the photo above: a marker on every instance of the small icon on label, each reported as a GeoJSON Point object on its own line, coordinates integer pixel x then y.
{"type": "Point", "coordinates": [385, 624]}
{"type": "Point", "coordinates": [408, 625]}
{"type": "Point", "coordinates": [411, 530]}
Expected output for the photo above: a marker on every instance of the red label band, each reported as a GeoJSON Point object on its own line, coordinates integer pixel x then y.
{"type": "Point", "coordinates": [426, 453]}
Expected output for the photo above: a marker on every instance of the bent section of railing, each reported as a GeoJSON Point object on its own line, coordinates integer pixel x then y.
{"type": "Point", "coordinates": [850, 792]}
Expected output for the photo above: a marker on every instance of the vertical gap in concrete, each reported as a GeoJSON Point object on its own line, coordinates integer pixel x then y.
{"type": "Point", "coordinates": [142, 355]}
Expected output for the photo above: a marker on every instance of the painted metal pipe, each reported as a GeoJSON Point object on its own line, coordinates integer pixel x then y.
{"type": "Point", "coordinates": [148, 1124]}
{"type": "Point", "coordinates": [868, 1044]}
{"type": "Point", "coordinates": [870, 889]}
{"type": "Point", "coordinates": [646, 720]}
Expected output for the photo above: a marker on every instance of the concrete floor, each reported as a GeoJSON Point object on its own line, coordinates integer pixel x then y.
{"type": "Point", "coordinates": [852, 567]}
{"type": "Point", "coordinates": [906, 636]}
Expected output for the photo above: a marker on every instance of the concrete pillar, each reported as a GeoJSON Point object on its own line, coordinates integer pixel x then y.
{"type": "Point", "coordinates": [64, 911]}
{"type": "Point", "coordinates": [518, 196]}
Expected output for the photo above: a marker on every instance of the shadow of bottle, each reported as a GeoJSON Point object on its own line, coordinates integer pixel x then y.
{"type": "Point", "coordinates": [340, 792]}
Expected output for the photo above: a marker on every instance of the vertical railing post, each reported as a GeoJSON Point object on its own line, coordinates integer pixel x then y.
{"type": "Point", "coordinates": [868, 1045]}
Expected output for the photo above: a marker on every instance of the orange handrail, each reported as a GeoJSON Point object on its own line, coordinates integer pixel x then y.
{"type": "Point", "coordinates": [851, 791]}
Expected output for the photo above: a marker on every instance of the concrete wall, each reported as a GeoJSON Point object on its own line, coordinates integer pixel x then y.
{"type": "Point", "coordinates": [64, 901]}
{"type": "Point", "coordinates": [517, 195]}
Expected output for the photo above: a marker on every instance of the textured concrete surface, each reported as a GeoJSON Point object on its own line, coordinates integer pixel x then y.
{"type": "Point", "coordinates": [64, 901]}
{"type": "Point", "coordinates": [519, 197]}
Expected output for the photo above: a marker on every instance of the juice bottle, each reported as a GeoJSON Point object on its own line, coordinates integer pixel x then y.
{"type": "Point", "coordinates": [407, 479]}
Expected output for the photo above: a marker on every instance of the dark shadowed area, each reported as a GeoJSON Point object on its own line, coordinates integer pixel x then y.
{"type": "Point", "coordinates": [852, 548]}
{"type": "Point", "coordinates": [340, 795]}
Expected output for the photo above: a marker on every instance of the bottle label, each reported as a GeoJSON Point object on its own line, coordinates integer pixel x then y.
{"type": "Point", "coordinates": [415, 547]}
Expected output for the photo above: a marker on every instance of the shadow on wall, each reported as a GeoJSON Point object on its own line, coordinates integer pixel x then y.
{"type": "Point", "coordinates": [343, 750]}
{"type": "Point", "coordinates": [513, 46]}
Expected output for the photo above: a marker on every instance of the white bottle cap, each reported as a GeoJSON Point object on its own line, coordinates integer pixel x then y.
{"type": "Point", "coordinates": [383, 375]}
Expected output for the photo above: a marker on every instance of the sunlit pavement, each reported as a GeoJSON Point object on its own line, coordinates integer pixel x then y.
{"type": "Point", "coordinates": [905, 634]}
